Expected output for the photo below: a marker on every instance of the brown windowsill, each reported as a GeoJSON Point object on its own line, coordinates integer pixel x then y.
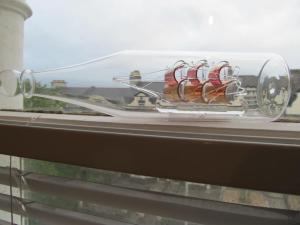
{"type": "Point", "coordinates": [261, 156]}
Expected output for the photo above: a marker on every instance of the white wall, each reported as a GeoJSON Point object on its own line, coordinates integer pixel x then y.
{"type": "Point", "coordinates": [12, 16]}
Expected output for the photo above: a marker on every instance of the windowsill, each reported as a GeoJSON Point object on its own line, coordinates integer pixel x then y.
{"type": "Point", "coordinates": [281, 133]}
{"type": "Point", "coordinates": [260, 156]}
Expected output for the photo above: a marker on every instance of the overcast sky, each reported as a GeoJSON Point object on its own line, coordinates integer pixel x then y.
{"type": "Point", "coordinates": [63, 32]}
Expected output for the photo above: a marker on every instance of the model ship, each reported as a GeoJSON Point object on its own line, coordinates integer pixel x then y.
{"type": "Point", "coordinates": [194, 86]}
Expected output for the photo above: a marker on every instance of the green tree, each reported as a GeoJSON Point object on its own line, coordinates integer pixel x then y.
{"type": "Point", "coordinates": [42, 104]}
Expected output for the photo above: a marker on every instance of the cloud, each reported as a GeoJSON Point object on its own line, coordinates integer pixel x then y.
{"type": "Point", "coordinates": [71, 31]}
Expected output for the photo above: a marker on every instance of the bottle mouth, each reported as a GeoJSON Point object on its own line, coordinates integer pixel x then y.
{"type": "Point", "coordinates": [13, 83]}
{"type": "Point", "coordinates": [274, 88]}
{"type": "Point", "coordinates": [27, 83]}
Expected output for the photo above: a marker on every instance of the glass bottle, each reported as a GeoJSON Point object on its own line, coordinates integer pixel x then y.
{"type": "Point", "coordinates": [196, 85]}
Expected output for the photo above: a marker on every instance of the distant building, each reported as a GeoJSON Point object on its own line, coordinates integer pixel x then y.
{"type": "Point", "coordinates": [135, 77]}
{"type": "Point", "coordinates": [142, 101]}
{"type": "Point", "coordinates": [294, 104]}
{"type": "Point", "coordinates": [58, 83]}
{"type": "Point", "coordinates": [126, 97]}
